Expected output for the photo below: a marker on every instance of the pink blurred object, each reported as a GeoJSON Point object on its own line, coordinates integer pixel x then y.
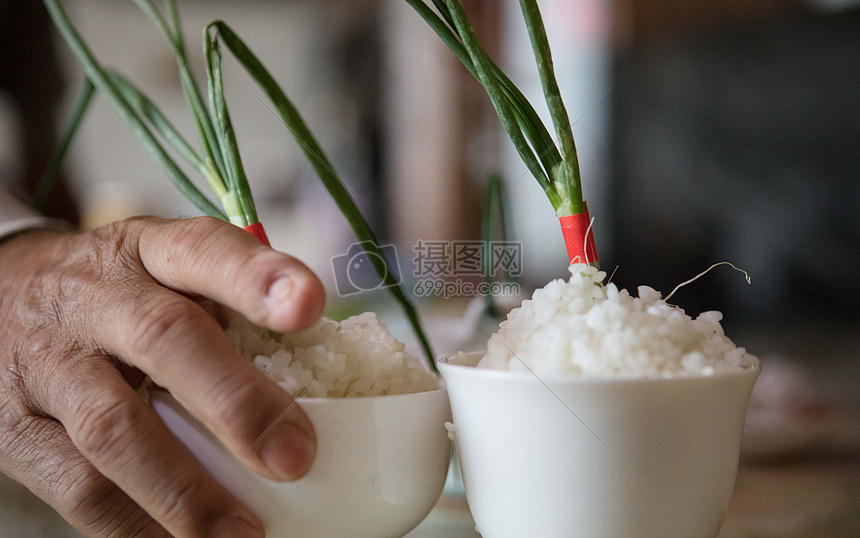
{"type": "Point", "coordinates": [787, 415]}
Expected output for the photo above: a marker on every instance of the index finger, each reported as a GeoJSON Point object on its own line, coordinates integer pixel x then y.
{"type": "Point", "coordinates": [184, 350]}
{"type": "Point", "coordinates": [218, 260]}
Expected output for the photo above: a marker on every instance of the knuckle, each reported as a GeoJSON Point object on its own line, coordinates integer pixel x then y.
{"type": "Point", "coordinates": [160, 322]}
{"type": "Point", "coordinates": [232, 405]}
{"type": "Point", "coordinates": [113, 243]}
{"type": "Point", "coordinates": [105, 429]}
{"type": "Point", "coordinates": [97, 506]}
{"type": "Point", "coordinates": [188, 235]}
{"type": "Point", "coordinates": [192, 243]}
{"type": "Point", "coordinates": [181, 497]}
{"type": "Point", "coordinates": [145, 527]}
{"type": "Point", "coordinates": [84, 494]}
{"type": "Point", "coordinates": [70, 483]}
{"type": "Point", "coordinates": [114, 249]}
{"type": "Point", "coordinates": [66, 281]}
{"type": "Point", "coordinates": [17, 432]}
{"type": "Point", "coordinates": [13, 386]}
{"type": "Point", "coordinates": [140, 525]}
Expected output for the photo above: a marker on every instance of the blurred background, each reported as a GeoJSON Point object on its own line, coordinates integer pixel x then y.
{"type": "Point", "coordinates": [713, 131]}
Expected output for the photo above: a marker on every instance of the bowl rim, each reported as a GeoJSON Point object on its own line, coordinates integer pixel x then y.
{"type": "Point", "coordinates": [444, 364]}
{"type": "Point", "coordinates": [388, 397]}
{"type": "Point", "coordinates": [442, 388]}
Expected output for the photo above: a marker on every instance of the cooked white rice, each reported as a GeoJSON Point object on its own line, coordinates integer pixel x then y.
{"type": "Point", "coordinates": [586, 328]}
{"type": "Point", "coordinates": [357, 357]}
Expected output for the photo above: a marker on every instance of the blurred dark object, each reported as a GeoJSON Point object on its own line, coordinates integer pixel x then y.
{"type": "Point", "coordinates": [30, 76]}
{"type": "Point", "coordinates": [741, 142]}
{"type": "Point", "coordinates": [642, 21]}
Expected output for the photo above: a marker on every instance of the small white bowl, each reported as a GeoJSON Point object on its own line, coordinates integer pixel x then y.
{"type": "Point", "coordinates": [565, 456]}
{"type": "Point", "coordinates": [379, 469]}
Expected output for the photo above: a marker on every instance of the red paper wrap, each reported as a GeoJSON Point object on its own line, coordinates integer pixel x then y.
{"type": "Point", "coordinates": [257, 231]}
{"type": "Point", "coordinates": [579, 248]}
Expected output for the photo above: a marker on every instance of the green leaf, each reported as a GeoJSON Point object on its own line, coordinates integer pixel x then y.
{"type": "Point", "coordinates": [190, 89]}
{"type": "Point", "coordinates": [324, 169]}
{"type": "Point", "coordinates": [526, 117]}
{"type": "Point", "coordinates": [563, 129]}
{"type": "Point", "coordinates": [446, 14]}
{"type": "Point", "coordinates": [159, 122]}
{"type": "Point", "coordinates": [55, 166]}
{"type": "Point", "coordinates": [173, 11]}
{"type": "Point", "coordinates": [493, 206]}
{"type": "Point", "coordinates": [99, 78]}
{"type": "Point", "coordinates": [487, 76]}
{"type": "Point", "coordinates": [531, 123]}
{"type": "Point", "coordinates": [224, 130]}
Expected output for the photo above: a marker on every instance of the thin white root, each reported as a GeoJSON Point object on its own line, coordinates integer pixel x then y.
{"type": "Point", "coordinates": [612, 275]}
{"type": "Point", "coordinates": [585, 239]}
{"type": "Point", "coordinates": [703, 273]}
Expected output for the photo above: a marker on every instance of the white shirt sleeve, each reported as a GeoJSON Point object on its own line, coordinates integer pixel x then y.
{"type": "Point", "coordinates": [16, 217]}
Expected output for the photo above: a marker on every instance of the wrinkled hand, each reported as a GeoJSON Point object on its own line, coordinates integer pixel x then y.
{"type": "Point", "coordinates": [72, 428]}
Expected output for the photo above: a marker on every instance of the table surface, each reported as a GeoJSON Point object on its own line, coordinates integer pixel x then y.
{"type": "Point", "coordinates": [813, 493]}
{"type": "Point", "coordinates": [816, 496]}
{"type": "Point", "coordinates": [809, 493]}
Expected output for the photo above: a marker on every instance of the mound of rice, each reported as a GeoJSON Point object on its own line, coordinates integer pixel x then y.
{"type": "Point", "coordinates": [356, 357]}
{"type": "Point", "coordinates": [586, 328]}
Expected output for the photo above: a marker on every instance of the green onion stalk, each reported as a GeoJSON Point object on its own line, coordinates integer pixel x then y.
{"type": "Point", "coordinates": [553, 162]}
{"type": "Point", "coordinates": [219, 162]}
{"type": "Point", "coordinates": [493, 224]}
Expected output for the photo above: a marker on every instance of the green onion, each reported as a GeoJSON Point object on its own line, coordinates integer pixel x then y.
{"type": "Point", "coordinates": [226, 135]}
{"type": "Point", "coordinates": [49, 178]}
{"type": "Point", "coordinates": [221, 164]}
{"type": "Point", "coordinates": [558, 173]}
{"type": "Point", "coordinates": [102, 82]}
{"type": "Point", "coordinates": [146, 109]}
{"type": "Point", "coordinates": [560, 119]}
{"type": "Point", "coordinates": [324, 169]}
{"type": "Point", "coordinates": [486, 74]}
{"type": "Point", "coordinates": [493, 206]}
{"type": "Point", "coordinates": [190, 88]}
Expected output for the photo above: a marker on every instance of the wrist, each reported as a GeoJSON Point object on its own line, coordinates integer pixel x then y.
{"type": "Point", "coordinates": [21, 244]}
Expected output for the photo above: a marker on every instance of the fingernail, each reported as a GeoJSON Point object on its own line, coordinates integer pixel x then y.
{"type": "Point", "coordinates": [237, 527]}
{"type": "Point", "coordinates": [280, 290]}
{"type": "Point", "coordinates": [287, 451]}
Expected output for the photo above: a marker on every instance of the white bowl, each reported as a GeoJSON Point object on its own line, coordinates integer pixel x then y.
{"type": "Point", "coordinates": [379, 469]}
{"type": "Point", "coordinates": [564, 456]}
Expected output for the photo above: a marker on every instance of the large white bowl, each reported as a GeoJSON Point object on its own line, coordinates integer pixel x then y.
{"type": "Point", "coordinates": [379, 469]}
{"type": "Point", "coordinates": [618, 457]}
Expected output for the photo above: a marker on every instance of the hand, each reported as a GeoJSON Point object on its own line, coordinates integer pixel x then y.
{"type": "Point", "coordinates": [84, 317]}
